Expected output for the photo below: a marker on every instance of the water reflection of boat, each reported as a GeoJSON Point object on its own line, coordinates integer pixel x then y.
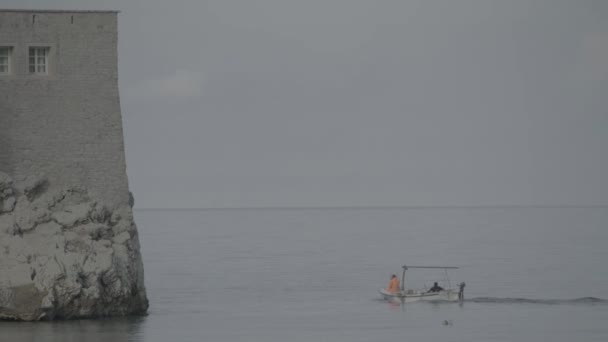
{"type": "Point", "coordinates": [414, 295]}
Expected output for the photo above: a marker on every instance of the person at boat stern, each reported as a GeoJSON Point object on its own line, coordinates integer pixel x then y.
{"type": "Point", "coordinates": [393, 284]}
{"type": "Point", "coordinates": [435, 288]}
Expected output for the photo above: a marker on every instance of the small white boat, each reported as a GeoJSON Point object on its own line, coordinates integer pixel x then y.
{"type": "Point", "coordinates": [414, 295]}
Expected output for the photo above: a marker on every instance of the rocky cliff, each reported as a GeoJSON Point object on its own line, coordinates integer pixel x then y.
{"type": "Point", "coordinates": [65, 255]}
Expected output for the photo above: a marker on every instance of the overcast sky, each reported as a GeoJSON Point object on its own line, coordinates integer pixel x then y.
{"type": "Point", "coordinates": [253, 103]}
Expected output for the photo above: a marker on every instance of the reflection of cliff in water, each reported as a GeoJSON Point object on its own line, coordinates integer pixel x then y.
{"type": "Point", "coordinates": [123, 329]}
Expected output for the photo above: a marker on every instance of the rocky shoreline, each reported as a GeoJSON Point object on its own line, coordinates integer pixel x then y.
{"type": "Point", "coordinates": [64, 255]}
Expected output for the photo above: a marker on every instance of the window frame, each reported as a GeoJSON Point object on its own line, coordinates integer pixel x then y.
{"type": "Point", "coordinates": [9, 59]}
{"type": "Point", "coordinates": [36, 56]}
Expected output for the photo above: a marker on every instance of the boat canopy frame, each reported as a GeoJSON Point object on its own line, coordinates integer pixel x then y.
{"type": "Point", "coordinates": [445, 268]}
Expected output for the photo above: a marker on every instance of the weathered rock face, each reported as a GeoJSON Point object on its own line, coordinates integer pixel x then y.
{"type": "Point", "coordinates": [64, 255]}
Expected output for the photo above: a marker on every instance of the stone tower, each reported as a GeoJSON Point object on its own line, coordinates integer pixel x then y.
{"type": "Point", "coordinates": [59, 102]}
{"type": "Point", "coordinates": [69, 247]}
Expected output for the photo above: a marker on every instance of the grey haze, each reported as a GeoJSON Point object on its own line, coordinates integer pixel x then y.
{"type": "Point", "coordinates": [237, 103]}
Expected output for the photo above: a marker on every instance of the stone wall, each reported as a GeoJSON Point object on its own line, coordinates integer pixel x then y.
{"type": "Point", "coordinates": [66, 124]}
{"type": "Point", "coordinates": [69, 247]}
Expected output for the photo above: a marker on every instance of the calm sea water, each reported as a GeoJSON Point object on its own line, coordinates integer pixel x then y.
{"type": "Point", "coordinates": [532, 274]}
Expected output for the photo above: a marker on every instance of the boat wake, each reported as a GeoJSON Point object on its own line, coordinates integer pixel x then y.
{"type": "Point", "coordinates": [495, 300]}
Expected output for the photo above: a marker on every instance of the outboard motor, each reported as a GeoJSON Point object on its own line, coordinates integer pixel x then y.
{"type": "Point", "coordinates": [461, 291]}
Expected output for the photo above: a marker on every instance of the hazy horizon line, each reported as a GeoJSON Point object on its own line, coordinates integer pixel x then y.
{"type": "Point", "coordinates": [489, 206]}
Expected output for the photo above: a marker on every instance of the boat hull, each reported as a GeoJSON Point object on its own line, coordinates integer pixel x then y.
{"type": "Point", "coordinates": [417, 296]}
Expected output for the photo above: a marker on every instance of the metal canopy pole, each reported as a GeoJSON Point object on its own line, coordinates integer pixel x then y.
{"type": "Point", "coordinates": [441, 267]}
{"type": "Point", "coordinates": [405, 268]}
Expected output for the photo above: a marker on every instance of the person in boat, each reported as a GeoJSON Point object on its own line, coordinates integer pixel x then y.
{"type": "Point", "coordinates": [393, 284]}
{"type": "Point", "coordinates": [461, 291]}
{"type": "Point", "coordinates": [435, 288]}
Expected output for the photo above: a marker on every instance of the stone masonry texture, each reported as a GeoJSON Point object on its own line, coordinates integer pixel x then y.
{"type": "Point", "coordinates": [69, 246]}
{"type": "Point", "coordinates": [66, 124]}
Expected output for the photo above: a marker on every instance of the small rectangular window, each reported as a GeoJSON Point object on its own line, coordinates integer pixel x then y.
{"type": "Point", "coordinates": [5, 59]}
{"type": "Point", "coordinates": [39, 60]}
